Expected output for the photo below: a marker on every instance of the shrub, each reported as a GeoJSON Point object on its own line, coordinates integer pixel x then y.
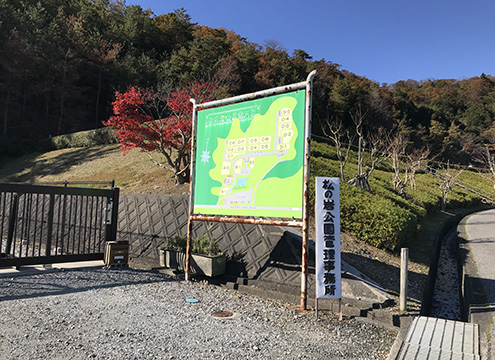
{"type": "Point", "coordinates": [89, 138]}
{"type": "Point", "coordinates": [202, 245]}
{"type": "Point", "coordinates": [374, 219]}
{"type": "Point", "coordinates": [426, 200]}
{"type": "Point", "coordinates": [205, 245]}
{"type": "Point", "coordinates": [177, 243]}
{"type": "Point", "coordinates": [323, 150]}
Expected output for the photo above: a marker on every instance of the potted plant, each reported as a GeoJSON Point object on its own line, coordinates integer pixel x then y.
{"type": "Point", "coordinates": [173, 254]}
{"type": "Point", "coordinates": [206, 257]}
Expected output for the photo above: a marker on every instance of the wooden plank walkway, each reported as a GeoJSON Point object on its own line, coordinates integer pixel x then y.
{"type": "Point", "coordinates": [432, 338]}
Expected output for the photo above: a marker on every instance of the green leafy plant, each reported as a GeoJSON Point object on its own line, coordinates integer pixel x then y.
{"type": "Point", "coordinates": [89, 138]}
{"type": "Point", "coordinates": [202, 245]}
{"type": "Point", "coordinates": [177, 243]}
{"type": "Point", "coordinates": [205, 245]}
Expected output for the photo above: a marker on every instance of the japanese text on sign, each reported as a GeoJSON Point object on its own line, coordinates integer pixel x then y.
{"type": "Point", "coordinates": [328, 264]}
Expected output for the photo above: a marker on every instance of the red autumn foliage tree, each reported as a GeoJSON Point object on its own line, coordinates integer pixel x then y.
{"type": "Point", "coordinates": [159, 122]}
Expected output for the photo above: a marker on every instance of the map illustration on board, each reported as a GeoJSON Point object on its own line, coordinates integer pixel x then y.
{"type": "Point", "coordinates": [249, 158]}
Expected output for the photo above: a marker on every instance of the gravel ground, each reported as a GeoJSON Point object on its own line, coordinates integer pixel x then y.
{"type": "Point", "coordinates": [129, 314]}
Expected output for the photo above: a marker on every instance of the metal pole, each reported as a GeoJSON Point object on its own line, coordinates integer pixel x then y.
{"type": "Point", "coordinates": [404, 255]}
{"type": "Point", "coordinates": [258, 94]}
{"type": "Point", "coordinates": [14, 205]}
{"type": "Point", "coordinates": [51, 210]}
{"type": "Point", "coordinates": [305, 226]}
{"type": "Point", "coordinates": [253, 221]}
{"type": "Point", "coordinates": [191, 189]}
{"type": "Point", "coordinates": [108, 220]}
{"type": "Point", "coordinates": [115, 213]}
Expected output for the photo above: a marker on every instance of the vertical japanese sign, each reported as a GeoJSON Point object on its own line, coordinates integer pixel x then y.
{"type": "Point", "coordinates": [327, 212]}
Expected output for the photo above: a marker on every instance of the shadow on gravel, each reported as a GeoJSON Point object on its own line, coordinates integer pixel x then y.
{"type": "Point", "coordinates": [73, 281]}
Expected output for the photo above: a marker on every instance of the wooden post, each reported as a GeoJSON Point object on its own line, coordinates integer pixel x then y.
{"type": "Point", "coordinates": [404, 255]}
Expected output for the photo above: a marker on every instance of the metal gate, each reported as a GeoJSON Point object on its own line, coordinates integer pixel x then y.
{"type": "Point", "coordinates": [49, 224]}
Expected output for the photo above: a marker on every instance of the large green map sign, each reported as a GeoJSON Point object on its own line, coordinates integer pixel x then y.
{"type": "Point", "coordinates": [249, 158]}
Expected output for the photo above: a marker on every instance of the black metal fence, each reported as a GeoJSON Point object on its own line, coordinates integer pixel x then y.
{"type": "Point", "coordinates": [49, 224]}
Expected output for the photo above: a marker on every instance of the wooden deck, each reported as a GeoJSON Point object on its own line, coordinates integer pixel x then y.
{"type": "Point", "coordinates": [432, 338]}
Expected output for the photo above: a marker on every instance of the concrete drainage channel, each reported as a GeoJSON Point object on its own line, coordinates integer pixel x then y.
{"type": "Point", "coordinates": [446, 293]}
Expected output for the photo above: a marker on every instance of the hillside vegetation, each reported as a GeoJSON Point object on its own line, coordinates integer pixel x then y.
{"type": "Point", "coordinates": [72, 56]}
{"type": "Point", "coordinates": [382, 217]}
{"type": "Point", "coordinates": [379, 217]}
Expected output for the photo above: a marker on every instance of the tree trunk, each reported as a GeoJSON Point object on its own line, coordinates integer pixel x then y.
{"type": "Point", "coordinates": [47, 107]}
{"type": "Point", "coordinates": [98, 97]}
{"type": "Point", "coordinates": [6, 113]}
{"type": "Point", "coordinates": [62, 97]}
{"type": "Point", "coordinates": [360, 160]}
{"type": "Point", "coordinates": [361, 181]}
{"type": "Point", "coordinates": [182, 177]}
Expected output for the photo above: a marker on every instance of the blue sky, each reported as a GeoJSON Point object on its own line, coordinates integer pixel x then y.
{"type": "Point", "coordinates": [384, 40]}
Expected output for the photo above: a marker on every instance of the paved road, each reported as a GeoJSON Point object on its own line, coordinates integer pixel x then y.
{"type": "Point", "coordinates": [478, 231]}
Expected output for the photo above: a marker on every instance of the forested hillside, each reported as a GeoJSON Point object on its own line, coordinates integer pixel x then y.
{"type": "Point", "coordinates": [62, 61]}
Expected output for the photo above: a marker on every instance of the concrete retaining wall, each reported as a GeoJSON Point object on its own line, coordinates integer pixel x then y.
{"type": "Point", "coordinates": [254, 251]}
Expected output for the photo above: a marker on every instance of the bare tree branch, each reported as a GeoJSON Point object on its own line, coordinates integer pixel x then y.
{"type": "Point", "coordinates": [334, 130]}
{"type": "Point", "coordinates": [415, 161]}
{"type": "Point", "coordinates": [448, 179]}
